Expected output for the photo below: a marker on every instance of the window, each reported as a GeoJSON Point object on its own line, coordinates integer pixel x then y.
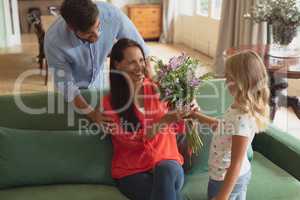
{"type": "Point", "coordinates": [202, 7]}
{"type": "Point", "coordinates": [209, 8]}
{"type": "Point", "coordinates": [186, 7]}
{"type": "Point", "coordinates": [216, 9]}
{"type": "Point", "coordinates": [205, 8]}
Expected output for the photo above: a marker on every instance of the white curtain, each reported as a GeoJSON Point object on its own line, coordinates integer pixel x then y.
{"type": "Point", "coordinates": [168, 20]}
{"type": "Point", "coordinates": [235, 30]}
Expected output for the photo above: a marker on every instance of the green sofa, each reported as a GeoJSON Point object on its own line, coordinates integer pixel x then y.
{"type": "Point", "coordinates": [50, 154]}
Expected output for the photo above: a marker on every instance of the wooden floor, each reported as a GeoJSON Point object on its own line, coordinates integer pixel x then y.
{"type": "Point", "coordinates": [15, 61]}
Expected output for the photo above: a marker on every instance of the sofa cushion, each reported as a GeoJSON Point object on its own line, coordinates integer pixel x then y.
{"type": "Point", "coordinates": [271, 182]}
{"type": "Point", "coordinates": [268, 182]}
{"type": "Point", "coordinates": [52, 157]}
{"type": "Point", "coordinates": [63, 192]}
{"type": "Point", "coordinates": [281, 148]}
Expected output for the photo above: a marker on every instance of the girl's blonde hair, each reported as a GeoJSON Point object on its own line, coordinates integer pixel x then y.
{"type": "Point", "coordinates": [249, 74]}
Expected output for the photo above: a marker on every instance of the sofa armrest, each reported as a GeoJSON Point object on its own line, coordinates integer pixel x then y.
{"type": "Point", "coordinates": [281, 148]}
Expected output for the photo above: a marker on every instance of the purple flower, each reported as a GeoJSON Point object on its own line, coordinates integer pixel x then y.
{"type": "Point", "coordinates": [194, 82]}
{"type": "Point", "coordinates": [166, 68]}
{"type": "Point", "coordinates": [161, 74]}
{"type": "Point", "coordinates": [168, 92]}
{"type": "Point", "coordinates": [175, 62]}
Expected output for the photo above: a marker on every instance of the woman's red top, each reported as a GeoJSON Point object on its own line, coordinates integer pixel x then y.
{"type": "Point", "coordinates": [133, 152]}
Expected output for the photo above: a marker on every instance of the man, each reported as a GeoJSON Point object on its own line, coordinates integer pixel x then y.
{"type": "Point", "coordinates": [77, 45]}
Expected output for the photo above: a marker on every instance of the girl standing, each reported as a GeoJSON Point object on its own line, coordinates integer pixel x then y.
{"type": "Point", "coordinates": [229, 167]}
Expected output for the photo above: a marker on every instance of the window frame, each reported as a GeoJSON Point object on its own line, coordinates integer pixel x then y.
{"type": "Point", "coordinates": [216, 17]}
{"type": "Point", "coordinates": [210, 13]}
{"type": "Point", "coordinates": [198, 9]}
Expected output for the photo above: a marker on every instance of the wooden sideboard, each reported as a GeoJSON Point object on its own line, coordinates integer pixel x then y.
{"type": "Point", "coordinates": [147, 18]}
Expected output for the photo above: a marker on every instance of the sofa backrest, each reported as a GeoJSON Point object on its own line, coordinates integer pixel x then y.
{"type": "Point", "coordinates": [213, 97]}
{"type": "Point", "coordinates": [43, 111]}
{"type": "Point", "coordinates": [49, 111]}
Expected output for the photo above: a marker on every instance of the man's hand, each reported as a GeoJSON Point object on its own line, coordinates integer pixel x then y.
{"type": "Point", "coordinates": [103, 120]}
{"type": "Point", "coordinates": [149, 73]}
{"type": "Point", "coordinates": [99, 117]}
{"type": "Point", "coordinates": [95, 115]}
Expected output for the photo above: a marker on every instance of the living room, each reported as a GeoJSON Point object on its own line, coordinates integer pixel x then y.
{"type": "Point", "coordinates": [209, 32]}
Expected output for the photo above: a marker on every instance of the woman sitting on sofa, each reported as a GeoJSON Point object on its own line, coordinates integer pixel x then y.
{"type": "Point", "coordinates": [146, 163]}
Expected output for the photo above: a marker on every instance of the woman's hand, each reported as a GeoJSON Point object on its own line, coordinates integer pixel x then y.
{"type": "Point", "coordinates": [191, 112]}
{"type": "Point", "coordinates": [170, 117]}
{"type": "Point", "coordinates": [219, 198]}
{"type": "Point", "coordinates": [173, 116]}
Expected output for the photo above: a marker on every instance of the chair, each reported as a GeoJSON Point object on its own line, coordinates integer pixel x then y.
{"type": "Point", "coordinates": [33, 12]}
{"type": "Point", "coordinates": [35, 20]}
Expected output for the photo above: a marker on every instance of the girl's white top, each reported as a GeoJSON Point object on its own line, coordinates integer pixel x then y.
{"type": "Point", "coordinates": [233, 123]}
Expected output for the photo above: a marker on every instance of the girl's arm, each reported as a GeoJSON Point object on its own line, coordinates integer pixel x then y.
{"type": "Point", "coordinates": [238, 151]}
{"type": "Point", "coordinates": [210, 121]}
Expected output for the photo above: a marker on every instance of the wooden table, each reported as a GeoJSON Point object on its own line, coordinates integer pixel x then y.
{"type": "Point", "coordinates": [279, 71]}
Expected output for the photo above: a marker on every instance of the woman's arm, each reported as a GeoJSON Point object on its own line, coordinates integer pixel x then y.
{"type": "Point", "coordinates": [238, 151]}
{"type": "Point", "coordinates": [164, 122]}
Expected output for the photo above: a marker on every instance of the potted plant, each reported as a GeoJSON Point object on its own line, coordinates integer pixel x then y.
{"type": "Point", "coordinates": [283, 16]}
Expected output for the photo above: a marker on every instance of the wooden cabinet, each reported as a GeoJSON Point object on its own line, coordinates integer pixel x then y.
{"type": "Point", "coordinates": [147, 19]}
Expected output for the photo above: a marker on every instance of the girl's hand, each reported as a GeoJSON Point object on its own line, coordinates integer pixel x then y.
{"type": "Point", "coordinates": [211, 122]}
{"type": "Point", "coordinates": [193, 113]}
{"type": "Point", "coordinates": [194, 108]}
{"type": "Point", "coordinates": [195, 105]}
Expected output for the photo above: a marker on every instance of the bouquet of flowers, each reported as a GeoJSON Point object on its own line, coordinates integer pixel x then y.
{"type": "Point", "coordinates": [283, 15]}
{"type": "Point", "coordinates": [178, 83]}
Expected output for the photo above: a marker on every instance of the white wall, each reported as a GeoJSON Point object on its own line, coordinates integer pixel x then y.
{"type": "Point", "coordinates": [197, 32]}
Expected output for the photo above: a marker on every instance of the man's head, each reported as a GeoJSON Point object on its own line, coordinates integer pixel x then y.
{"type": "Point", "coordinates": [82, 17]}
